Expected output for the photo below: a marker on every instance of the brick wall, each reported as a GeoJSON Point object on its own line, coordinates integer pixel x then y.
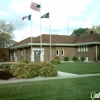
{"type": "Point", "coordinates": [4, 54]}
{"type": "Point", "coordinates": [68, 51]}
{"type": "Point", "coordinates": [91, 53]}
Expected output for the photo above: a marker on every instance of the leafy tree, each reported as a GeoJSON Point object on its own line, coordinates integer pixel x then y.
{"type": "Point", "coordinates": [95, 29]}
{"type": "Point", "coordinates": [80, 31]}
{"type": "Point", "coordinates": [98, 29]}
{"type": "Point", "coordinates": [6, 34]}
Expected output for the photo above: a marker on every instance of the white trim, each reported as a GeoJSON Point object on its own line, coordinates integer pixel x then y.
{"type": "Point", "coordinates": [57, 52]}
{"type": "Point", "coordinates": [15, 55]}
{"type": "Point", "coordinates": [54, 44]}
{"type": "Point", "coordinates": [86, 48]}
{"type": "Point", "coordinates": [82, 49]}
{"type": "Point", "coordinates": [41, 54]}
{"type": "Point", "coordinates": [62, 52]}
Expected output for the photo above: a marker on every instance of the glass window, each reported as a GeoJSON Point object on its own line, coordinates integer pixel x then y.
{"type": "Point", "coordinates": [86, 48]}
{"type": "Point", "coordinates": [82, 48]}
{"type": "Point", "coordinates": [62, 52]}
{"type": "Point", "coordinates": [22, 53]}
{"type": "Point", "coordinates": [15, 53]}
{"type": "Point", "coordinates": [57, 52]}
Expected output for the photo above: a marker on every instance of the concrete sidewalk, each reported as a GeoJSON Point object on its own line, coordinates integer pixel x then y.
{"type": "Point", "coordinates": [61, 75]}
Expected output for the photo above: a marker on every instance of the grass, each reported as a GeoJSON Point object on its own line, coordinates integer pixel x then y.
{"type": "Point", "coordinates": [61, 89]}
{"type": "Point", "coordinates": [58, 89]}
{"type": "Point", "coordinates": [79, 67]}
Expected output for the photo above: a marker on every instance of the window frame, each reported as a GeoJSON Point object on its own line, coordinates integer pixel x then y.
{"type": "Point", "coordinates": [21, 52]}
{"type": "Point", "coordinates": [62, 52]}
{"type": "Point", "coordinates": [57, 52]}
{"type": "Point", "coordinates": [82, 49]}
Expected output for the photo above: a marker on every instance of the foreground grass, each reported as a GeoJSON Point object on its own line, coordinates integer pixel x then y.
{"type": "Point", "coordinates": [61, 89]}
{"type": "Point", "coordinates": [79, 67]}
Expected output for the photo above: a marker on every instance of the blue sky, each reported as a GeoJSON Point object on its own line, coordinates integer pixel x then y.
{"type": "Point", "coordinates": [65, 16]}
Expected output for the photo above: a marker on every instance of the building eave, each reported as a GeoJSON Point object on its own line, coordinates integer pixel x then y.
{"type": "Point", "coordinates": [88, 43]}
{"type": "Point", "coordinates": [52, 44]}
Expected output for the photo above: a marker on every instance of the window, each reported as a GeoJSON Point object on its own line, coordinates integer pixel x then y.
{"type": "Point", "coordinates": [86, 48]}
{"type": "Point", "coordinates": [62, 52]}
{"type": "Point", "coordinates": [22, 53]}
{"type": "Point", "coordinates": [78, 49]}
{"type": "Point", "coordinates": [82, 48]}
{"type": "Point", "coordinates": [57, 52]}
{"type": "Point", "coordinates": [15, 53]}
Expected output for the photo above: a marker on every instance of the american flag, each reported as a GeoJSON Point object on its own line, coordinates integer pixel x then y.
{"type": "Point", "coordinates": [35, 6]}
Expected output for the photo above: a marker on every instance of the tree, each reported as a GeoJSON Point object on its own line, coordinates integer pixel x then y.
{"type": "Point", "coordinates": [6, 34]}
{"type": "Point", "coordinates": [80, 31]}
{"type": "Point", "coordinates": [98, 29]}
{"type": "Point", "coordinates": [95, 29]}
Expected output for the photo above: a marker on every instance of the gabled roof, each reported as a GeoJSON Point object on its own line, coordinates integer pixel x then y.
{"type": "Point", "coordinates": [60, 40]}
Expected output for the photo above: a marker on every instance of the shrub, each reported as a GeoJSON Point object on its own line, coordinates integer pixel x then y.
{"type": "Point", "coordinates": [33, 69]}
{"type": "Point", "coordinates": [5, 75]}
{"type": "Point", "coordinates": [48, 70]}
{"type": "Point", "coordinates": [55, 61]}
{"type": "Point", "coordinates": [18, 69]}
{"type": "Point", "coordinates": [5, 66]}
{"type": "Point", "coordinates": [1, 66]}
{"type": "Point", "coordinates": [57, 57]}
{"type": "Point", "coordinates": [66, 58]}
{"type": "Point", "coordinates": [74, 58]}
{"type": "Point", "coordinates": [25, 61]}
{"type": "Point", "coordinates": [82, 58]}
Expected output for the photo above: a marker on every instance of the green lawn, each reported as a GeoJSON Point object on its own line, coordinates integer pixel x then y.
{"type": "Point", "coordinates": [79, 67]}
{"type": "Point", "coordinates": [61, 89]}
{"type": "Point", "coordinates": [58, 89]}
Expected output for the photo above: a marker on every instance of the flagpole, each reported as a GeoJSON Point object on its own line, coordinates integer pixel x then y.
{"type": "Point", "coordinates": [67, 28]}
{"type": "Point", "coordinates": [40, 31]}
{"type": "Point", "coordinates": [50, 37]}
{"type": "Point", "coordinates": [31, 38]}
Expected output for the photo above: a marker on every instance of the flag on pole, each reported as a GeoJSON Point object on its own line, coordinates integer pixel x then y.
{"type": "Point", "coordinates": [35, 6]}
{"type": "Point", "coordinates": [29, 17]}
{"type": "Point", "coordinates": [24, 17]}
{"type": "Point", "coordinates": [46, 15]}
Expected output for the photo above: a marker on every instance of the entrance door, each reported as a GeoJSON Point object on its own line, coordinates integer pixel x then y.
{"type": "Point", "coordinates": [37, 55]}
{"type": "Point", "coordinates": [15, 56]}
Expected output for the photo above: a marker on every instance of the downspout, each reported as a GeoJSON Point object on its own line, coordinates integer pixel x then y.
{"type": "Point", "coordinates": [96, 52]}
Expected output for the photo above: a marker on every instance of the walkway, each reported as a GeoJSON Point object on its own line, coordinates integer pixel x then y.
{"type": "Point", "coordinates": [60, 76]}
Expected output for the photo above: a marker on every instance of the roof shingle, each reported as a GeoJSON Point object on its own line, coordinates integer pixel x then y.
{"type": "Point", "coordinates": [62, 39]}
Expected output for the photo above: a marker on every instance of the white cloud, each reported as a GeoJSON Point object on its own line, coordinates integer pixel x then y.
{"type": "Point", "coordinates": [3, 13]}
{"type": "Point", "coordinates": [19, 6]}
{"type": "Point", "coordinates": [78, 13]}
{"type": "Point", "coordinates": [28, 32]}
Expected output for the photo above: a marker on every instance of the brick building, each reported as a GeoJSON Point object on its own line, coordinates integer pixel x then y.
{"type": "Point", "coordinates": [56, 45]}
{"type": "Point", "coordinates": [4, 54]}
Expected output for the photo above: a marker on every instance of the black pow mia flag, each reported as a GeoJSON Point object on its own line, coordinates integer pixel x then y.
{"type": "Point", "coordinates": [45, 15]}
